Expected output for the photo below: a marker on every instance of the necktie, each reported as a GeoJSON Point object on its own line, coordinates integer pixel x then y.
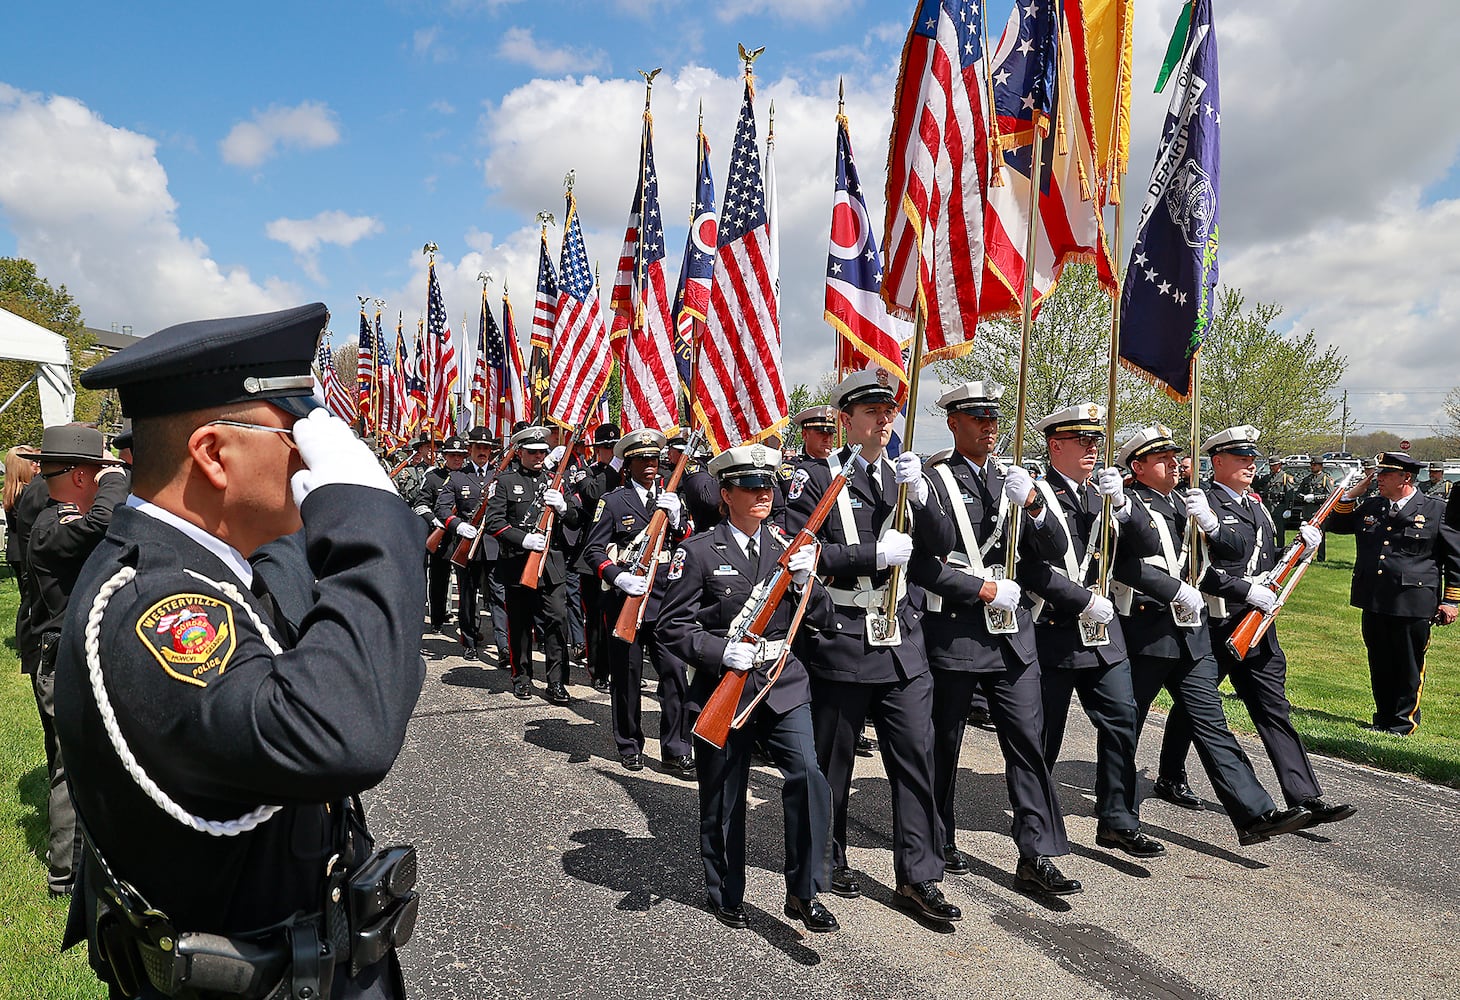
{"type": "Point", "coordinates": [751, 552]}
{"type": "Point", "coordinates": [1393, 509]}
{"type": "Point", "coordinates": [875, 471]}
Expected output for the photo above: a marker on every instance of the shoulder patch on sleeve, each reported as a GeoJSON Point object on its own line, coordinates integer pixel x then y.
{"type": "Point", "coordinates": [799, 479]}
{"type": "Point", "coordinates": [492, 486]}
{"type": "Point", "coordinates": [603, 502]}
{"type": "Point", "coordinates": [192, 636]}
{"type": "Point", "coordinates": [676, 568]}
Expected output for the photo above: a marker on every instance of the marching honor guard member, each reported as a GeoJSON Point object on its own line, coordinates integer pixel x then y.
{"type": "Point", "coordinates": [434, 493]}
{"type": "Point", "coordinates": [818, 432]}
{"type": "Point", "coordinates": [1406, 577]}
{"type": "Point", "coordinates": [1069, 611]}
{"type": "Point", "coordinates": [215, 748]}
{"type": "Point", "coordinates": [1165, 623]}
{"type": "Point", "coordinates": [456, 506]}
{"type": "Point", "coordinates": [1240, 554]}
{"type": "Point", "coordinates": [611, 548]}
{"type": "Point", "coordinates": [597, 480]}
{"type": "Point", "coordinates": [515, 503]}
{"type": "Point", "coordinates": [480, 466]}
{"type": "Point", "coordinates": [710, 583]}
{"type": "Point", "coordinates": [872, 662]}
{"type": "Point", "coordinates": [967, 656]}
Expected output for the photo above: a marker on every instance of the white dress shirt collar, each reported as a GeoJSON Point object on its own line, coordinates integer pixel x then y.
{"type": "Point", "coordinates": [226, 553]}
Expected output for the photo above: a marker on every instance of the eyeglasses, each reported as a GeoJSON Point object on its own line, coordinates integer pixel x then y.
{"type": "Point", "coordinates": [1084, 440]}
{"type": "Point", "coordinates": [288, 432]}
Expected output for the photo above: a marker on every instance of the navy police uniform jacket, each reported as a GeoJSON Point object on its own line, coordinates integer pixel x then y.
{"type": "Point", "coordinates": [589, 486]}
{"type": "Point", "coordinates": [514, 505]}
{"type": "Point", "coordinates": [619, 519]}
{"type": "Point", "coordinates": [1245, 529]}
{"type": "Point", "coordinates": [60, 541]}
{"type": "Point", "coordinates": [1405, 562]}
{"type": "Point", "coordinates": [458, 499]}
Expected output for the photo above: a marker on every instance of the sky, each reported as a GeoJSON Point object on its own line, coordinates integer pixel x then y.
{"type": "Point", "coordinates": [171, 161]}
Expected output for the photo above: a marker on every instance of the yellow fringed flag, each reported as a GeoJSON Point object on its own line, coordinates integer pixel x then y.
{"type": "Point", "coordinates": [1108, 26]}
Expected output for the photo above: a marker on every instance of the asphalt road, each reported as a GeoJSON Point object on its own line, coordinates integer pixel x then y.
{"type": "Point", "coordinates": [549, 870]}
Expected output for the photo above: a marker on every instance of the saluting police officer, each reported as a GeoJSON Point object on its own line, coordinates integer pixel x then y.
{"type": "Point", "coordinates": [434, 493]}
{"type": "Point", "coordinates": [456, 507]}
{"type": "Point", "coordinates": [1070, 611]}
{"type": "Point", "coordinates": [860, 666]}
{"type": "Point", "coordinates": [710, 584]}
{"type": "Point", "coordinates": [515, 503]}
{"type": "Point", "coordinates": [1165, 623]}
{"type": "Point", "coordinates": [214, 749]}
{"type": "Point", "coordinates": [1241, 553]}
{"type": "Point", "coordinates": [597, 480]}
{"type": "Point", "coordinates": [1406, 577]}
{"type": "Point", "coordinates": [966, 655]}
{"type": "Point", "coordinates": [619, 525]}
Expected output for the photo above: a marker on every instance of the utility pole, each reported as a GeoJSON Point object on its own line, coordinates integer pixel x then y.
{"type": "Point", "coordinates": [1343, 427]}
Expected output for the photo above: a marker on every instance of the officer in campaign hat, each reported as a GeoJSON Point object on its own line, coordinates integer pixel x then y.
{"type": "Point", "coordinates": [1435, 484]}
{"type": "Point", "coordinates": [599, 477]}
{"type": "Point", "coordinates": [1241, 554]}
{"type": "Point", "coordinates": [1164, 619]}
{"type": "Point", "coordinates": [215, 746]}
{"type": "Point", "coordinates": [1406, 578]}
{"type": "Point", "coordinates": [1309, 491]}
{"type": "Point", "coordinates": [710, 582]}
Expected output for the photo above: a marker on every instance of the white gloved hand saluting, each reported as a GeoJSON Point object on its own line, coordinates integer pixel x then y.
{"type": "Point", "coordinates": [632, 584]}
{"type": "Point", "coordinates": [555, 456]}
{"type": "Point", "coordinates": [908, 468]}
{"type": "Point", "coordinates": [1006, 595]}
{"type": "Point", "coordinates": [894, 549]}
{"type": "Point", "coordinates": [1099, 611]}
{"type": "Point", "coordinates": [1018, 484]}
{"type": "Point", "coordinates": [1108, 483]}
{"type": "Point", "coordinates": [670, 504]}
{"type": "Point", "coordinates": [466, 529]}
{"type": "Point", "coordinates": [1312, 537]}
{"type": "Point", "coordinates": [1189, 600]}
{"type": "Point", "coordinates": [332, 454]}
{"type": "Point", "coordinates": [739, 657]}
{"type": "Point", "coordinates": [554, 499]}
{"type": "Point", "coordinates": [534, 541]}
{"type": "Point", "coordinates": [800, 564]}
{"type": "Point", "coordinates": [1199, 507]}
{"type": "Point", "coordinates": [1262, 598]}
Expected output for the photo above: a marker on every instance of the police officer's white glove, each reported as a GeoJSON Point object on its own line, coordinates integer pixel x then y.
{"type": "Point", "coordinates": [534, 541]}
{"type": "Point", "coordinates": [800, 564]}
{"type": "Point", "coordinates": [466, 529]}
{"type": "Point", "coordinates": [1018, 484]}
{"type": "Point", "coordinates": [1108, 483]}
{"type": "Point", "coordinates": [1006, 595]}
{"type": "Point", "coordinates": [1310, 497]}
{"type": "Point", "coordinates": [1312, 537]}
{"type": "Point", "coordinates": [554, 499]}
{"type": "Point", "coordinates": [632, 584]}
{"type": "Point", "coordinates": [1189, 600]}
{"type": "Point", "coordinates": [1199, 507]}
{"type": "Point", "coordinates": [894, 549]}
{"type": "Point", "coordinates": [616, 463]}
{"type": "Point", "coordinates": [739, 657]}
{"type": "Point", "coordinates": [908, 468]}
{"type": "Point", "coordinates": [555, 456]}
{"type": "Point", "coordinates": [333, 454]}
{"type": "Point", "coordinates": [1100, 610]}
{"type": "Point", "coordinates": [1262, 598]}
{"type": "Point", "coordinates": [670, 504]}
{"type": "Point", "coordinates": [421, 510]}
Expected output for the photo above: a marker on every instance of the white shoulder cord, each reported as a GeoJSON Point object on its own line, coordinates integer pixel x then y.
{"type": "Point", "coordinates": [216, 828]}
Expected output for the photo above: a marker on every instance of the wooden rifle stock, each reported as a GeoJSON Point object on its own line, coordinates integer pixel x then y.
{"type": "Point", "coordinates": [532, 569]}
{"type": "Point", "coordinates": [434, 539]}
{"type": "Point", "coordinates": [632, 613]}
{"type": "Point", "coordinates": [403, 463]}
{"type": "Point", "coordinates": [467, 547]}
{"type": "Point", "coordinates": [1290, 569]}
{"type": "Point", "coordinates": [714, 723]}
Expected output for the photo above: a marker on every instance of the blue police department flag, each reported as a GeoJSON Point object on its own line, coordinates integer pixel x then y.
{"type": "Point", "coordinates": [1171, 280]}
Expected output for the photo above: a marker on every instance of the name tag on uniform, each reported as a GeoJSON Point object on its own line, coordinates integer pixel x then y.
{"type": "Point", "coordinates": [725, 569]}
{"type": "Point", "coordinates": [1229, 520]}
{"type": "Point", "coordinates": [465, 492]}
{"type": "Point", "coordinates": [516, 490]}
{"type": "Point", "coordinates": [856, 503]}
{"type": "Point", "coordinates": [628, 522]}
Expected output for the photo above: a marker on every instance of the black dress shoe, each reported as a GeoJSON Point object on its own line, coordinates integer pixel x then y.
{"type": "Point", "coordinates": [844, 883]}
{"type": "Point", "coordinates": [1325, 812]}
{"type": "Point", "coordinates": [1133, 842]}
{"type": "Point", "coordinates": [522, 690]}
{"type": "Point", "coordinates": [810, 912]}
{"type": "Point", "coordinates": [682, 766]}
{"type": "Point", "coordinates": [632, 761]}
{"type": "Point", "coordinates": [865, 746]}
{"type": "Point", "coordinates": [601, 684]}
{"type": "Point", "coordinates": [1272, 823]}
{"type": "Point", "coordinates": [927, 899]}
{"type": "Point", "coordinates": [557, 694]}
{"type": "Point", "coordinates": [980, 717]}
{"type": "Point", "coordinates": [955, 862]}
{"type": "Point", "coordinates": [1039, 874]}
{"type": "Point", "coordinates": [1178, 793]}
{"type": "Point", "coordinates": [732, 916]}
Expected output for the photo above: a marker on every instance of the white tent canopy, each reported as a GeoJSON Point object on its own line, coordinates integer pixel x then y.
{"type": "Point", "coordinates": [22, 340]}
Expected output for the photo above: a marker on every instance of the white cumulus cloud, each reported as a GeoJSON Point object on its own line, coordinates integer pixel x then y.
{"type": "Point", "coordinates": [309, 125]}
{"type": "Point", "coordinates": [520, 45]}
{"type": "Point", "coordinates": [304, 236]}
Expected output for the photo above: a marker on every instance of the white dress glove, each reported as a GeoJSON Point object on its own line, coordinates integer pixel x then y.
{"type": "Point", "coordinates": [1108, 483]}
{"type": "Point", "coordinates": [739, 657]}
{"type": "Point", "coordinates": [554, 499]}
{"type": "Point", "coordinates": [1099, 611]}
{"type": "Point", "coordinates": [1310, 497]}
{"type": "Point", "coordinates": [670, 504]}
{"type": "Point", "coordinates": [1312, 537]}
{"type": "Point", "coordinates": [421, 510]}
{"type": "Point", "coordinates": [1188, 599]}
{"type": "Point", "coordinates": [1018, 484]}
{"type": "Point", "coordinates": [800, 564]}
{"type": "Point", "coordinates": [615, 463]}
{"type": "Point", "coordinates": [894, 549]}
{"type": "Point", "coordinates": [1262, 598]}
{"type": "Point", "coordinates": [1199, 507]}
{"type": "Point", "coordinates": [555, 456]}
{"type": "Point", "coordinates": [534, 541]}
{"type": "Point", "coordinates": [466, 529]}
{"type": "Point", "coordinates": [1007, 596]}
{"type": "Point", "coordinates": [333, 454]}
{"type": "Point", "coordinates": [632, 584]}
{"type": "Point", "coordinates": [907, 469]}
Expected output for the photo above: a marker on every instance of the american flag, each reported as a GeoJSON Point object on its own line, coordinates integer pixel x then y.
{"type": "Point", "coordinates": [1032, 88]}
{"type": "Point", "coordinates": [365, 373]}
{"type": "Point", "coordinates": [696, 271]}
{"type": "Point", "coordinates": [441, 351]}
{"type": "Point", "coordinates": [581, 359]}
{"type": "Point", "coordinates": [544, 316]}
{"type": "Point", "coordinates": [405, 403]}
{"type": "Point", "coordinates": [514, 388]}
{"type": "Point", "coordinates": [867, 335]}
{"type": "Point", "coordinates": [641, 309]}
{"type": "Point", "coordinates": [337, 399]}
{"type": "Point", "coordinates": [486, 372]}
{"type": "Point", "coordinates": [418, 379]}
{"type": "Point", "coordinates": [937, 176]}
{"type": "Point", "coordinates": [741, 395]}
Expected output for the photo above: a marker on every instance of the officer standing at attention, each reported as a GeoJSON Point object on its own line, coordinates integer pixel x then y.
{"type": "Point", "coordinates": [710, 584]}
{"type": "Point", "coordinates": [1240, 554]}
{"type": "Point", "coordinates": [85, 486]}
{"type": "Point", "coordinates": [601, 477]}
{"type": "Point", "coordinates": [410, 479]}
{"type": "Point", "coordinates": [456, 505]}
{"type": "Point", "coordinates": [1276, 491]}
{"type": "Point", "coordinates": [859, 669]}
{"type": "Point", "coordinates": [966, 656]}
{"type": "Point", "coordinates": [515, 504]}
{"type": "Point", "coordinates": [434, 493]}
{"type": "Point", "coordinates": [818, 432]}
{"type": "Point", "coordinates": [1165, 623]}
{"type": "Point", "coordinates": [1068, 611]}
{"type": "Point", "coordinates": [215, 750]}
{"type": "Point", "coordinates": [1406, 578]}
{"type": "Point", "coordinates": [1436, 485]}
{"type": "Point", "coordinates": [1309, 492]}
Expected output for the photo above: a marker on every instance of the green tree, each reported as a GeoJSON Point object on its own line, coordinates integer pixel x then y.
{"type": "Point", "coordinates": [24, 292]}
